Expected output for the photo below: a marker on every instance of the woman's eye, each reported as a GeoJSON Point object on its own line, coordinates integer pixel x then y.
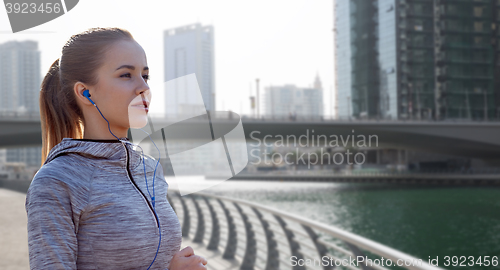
{"type": "Point", "coordinates": [127, 75]}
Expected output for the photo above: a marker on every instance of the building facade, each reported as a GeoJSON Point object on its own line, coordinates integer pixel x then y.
{"type": "Point", "coordinates": [30, 156]}
{"type": "Point", "coordinates": [290, 100]}
{"type": "Point", "coordinates": [190, 49]}
{"type": "Point", "coordinates": [20, 77]}
{"type": "Point", "coordinates": [418, 59]}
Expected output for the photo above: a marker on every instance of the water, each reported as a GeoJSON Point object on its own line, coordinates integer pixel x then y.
{"type": "Point", "coordinates": [421, 221]}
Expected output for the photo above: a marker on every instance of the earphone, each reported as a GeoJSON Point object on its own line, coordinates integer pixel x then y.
{"type": "Point", "coordinates": [87, 95]}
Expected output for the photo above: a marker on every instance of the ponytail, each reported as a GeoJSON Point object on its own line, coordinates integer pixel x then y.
{"type": "Point", "coordinates": [58, 118]}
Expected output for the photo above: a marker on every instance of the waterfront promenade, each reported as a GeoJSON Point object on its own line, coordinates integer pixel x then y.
{"type": "Point", "coordinates": [13, 234]}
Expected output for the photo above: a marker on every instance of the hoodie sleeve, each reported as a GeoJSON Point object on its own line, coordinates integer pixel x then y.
{"type": "Point", "coordinates": [53, 211]}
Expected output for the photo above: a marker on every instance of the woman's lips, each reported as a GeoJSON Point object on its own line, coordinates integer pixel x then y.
{"type": "Point", "coordinates": [141, 107]}
{"type": "Point", "coordinates": [143, 104]}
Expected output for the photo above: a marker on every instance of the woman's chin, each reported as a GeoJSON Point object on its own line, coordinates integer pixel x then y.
{"type": "Point", "coordinates": [138, 124]}
{"type": "Point", "coordinates": [137, 119]}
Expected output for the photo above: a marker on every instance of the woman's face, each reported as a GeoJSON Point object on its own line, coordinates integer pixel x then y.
{"type": "Point", "coordinates": [122, 92]}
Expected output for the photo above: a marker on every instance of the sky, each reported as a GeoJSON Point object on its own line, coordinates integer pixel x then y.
{"type": "Point", "coordinates": [280, 42]}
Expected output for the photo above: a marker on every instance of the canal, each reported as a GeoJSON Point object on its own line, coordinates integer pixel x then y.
{"type": "Point", "coordinates": [423, 221]}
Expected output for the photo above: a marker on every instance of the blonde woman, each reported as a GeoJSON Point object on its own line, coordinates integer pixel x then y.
{"type": "Point", "coordinates": [92, 204]}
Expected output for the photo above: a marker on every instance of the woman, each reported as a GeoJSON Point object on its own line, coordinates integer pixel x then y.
{"type": "Point", "coordinates": [88, 205]}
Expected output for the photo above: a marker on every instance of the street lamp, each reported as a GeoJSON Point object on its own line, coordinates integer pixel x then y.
{"type": "Point", "coordinates": [349, 107]}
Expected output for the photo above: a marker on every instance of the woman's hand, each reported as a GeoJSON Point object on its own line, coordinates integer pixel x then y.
{"type": "Point", "coordinates": [185, 259]}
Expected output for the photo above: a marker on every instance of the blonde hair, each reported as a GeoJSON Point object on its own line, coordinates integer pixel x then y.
{"type": "Point", "coordinates": [82, 55]}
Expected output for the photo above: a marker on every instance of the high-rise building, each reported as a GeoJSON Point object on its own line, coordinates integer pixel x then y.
{"type": "Point", "coordinates": [290, 100]}
{"type": "Point", "coordinates": [20, 81]}
{"type": "Point", "coordinates": [20, 77]}
{"type": "Point", "coordinates": [190, 49]}
{"type": "Point", "coordinates": [418, 59]}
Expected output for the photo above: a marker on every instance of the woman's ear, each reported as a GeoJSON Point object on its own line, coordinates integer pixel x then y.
{"type": "Point", "coordinates": [78, 88]}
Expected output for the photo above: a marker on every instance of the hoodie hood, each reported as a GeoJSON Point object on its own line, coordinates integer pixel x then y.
{"type": "Point", "coordinates": [109, 150]}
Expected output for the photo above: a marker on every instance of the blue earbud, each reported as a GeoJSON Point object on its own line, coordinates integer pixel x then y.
{"type": "Point", "coordinates": [87, 95]}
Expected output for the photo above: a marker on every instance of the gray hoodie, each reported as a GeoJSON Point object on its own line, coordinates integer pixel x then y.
{"type": "Point", "coordinates": [88, 208]}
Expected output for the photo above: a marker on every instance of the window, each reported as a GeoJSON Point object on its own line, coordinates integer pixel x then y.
{"type": "Point", "coordinates": [478, 11]}
{"type": "Point", "coordinates": [418, 8]}
{"type": "Point", "coordinates": [478, 26]}
{"type": "Point", "coordinates": [453, 10]}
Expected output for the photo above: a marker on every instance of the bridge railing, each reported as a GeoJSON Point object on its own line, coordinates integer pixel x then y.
{"type": "Point", "coordinates": [387, 172]}
{"type": "Point", "coordinates": [260, 237]}
{"type": "Point", "coordinates": [228, 115]}
{"type": "Point", "coordinates": [13, 115]}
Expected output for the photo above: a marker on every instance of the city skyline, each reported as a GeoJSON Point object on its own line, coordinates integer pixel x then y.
{"type": "Point", "coordinates": [280, 47]}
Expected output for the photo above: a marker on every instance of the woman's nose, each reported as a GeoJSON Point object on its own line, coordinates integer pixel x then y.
{"type": "Point", "coordinates": [146, 95]}
{"type": "Point", "coordinates": [143, 88]}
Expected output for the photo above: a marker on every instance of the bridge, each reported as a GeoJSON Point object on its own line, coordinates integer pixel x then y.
{"type": "Point", "coordinates": [463, 138]}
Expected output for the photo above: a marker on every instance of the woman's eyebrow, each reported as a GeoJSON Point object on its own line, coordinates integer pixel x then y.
{"type": "Point", "coordinates": [131, 67]}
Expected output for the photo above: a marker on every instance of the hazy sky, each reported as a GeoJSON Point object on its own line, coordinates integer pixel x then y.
{"type": "Point", "coordinates": [279, 42]}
